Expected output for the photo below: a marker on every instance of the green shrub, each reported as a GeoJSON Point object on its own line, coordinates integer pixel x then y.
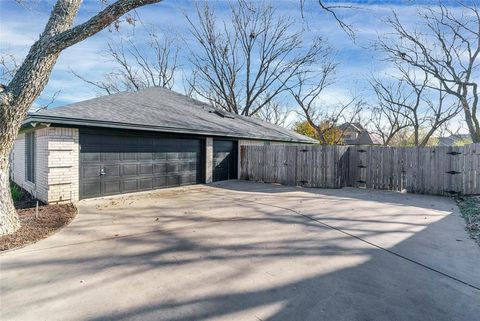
{"type": "Point", "coordinates": [16, 192]}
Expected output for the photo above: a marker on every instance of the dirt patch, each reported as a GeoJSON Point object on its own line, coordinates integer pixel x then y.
{"type": "Point", "coordinates": [50, 219]}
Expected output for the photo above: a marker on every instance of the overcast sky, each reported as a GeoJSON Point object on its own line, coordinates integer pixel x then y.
{"type": "Point", "coordinates": [20, 27]}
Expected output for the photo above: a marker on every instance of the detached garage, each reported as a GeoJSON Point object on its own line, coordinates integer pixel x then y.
{"type": "Point", "coordinates": [131, 142]}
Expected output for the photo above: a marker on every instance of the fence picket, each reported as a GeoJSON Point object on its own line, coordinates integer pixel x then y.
{"type": "Point", "coordinates": [429, 170]}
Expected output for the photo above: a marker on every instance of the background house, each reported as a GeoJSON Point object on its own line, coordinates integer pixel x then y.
{"type": "Point", "coordinates": [356, 134]}
{"type": "Point", "coordinates": [455, 140]}
{"type": "Point", "coordinates": [130, 142]}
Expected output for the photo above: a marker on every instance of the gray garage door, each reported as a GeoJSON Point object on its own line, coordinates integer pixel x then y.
{"type": "Point", "coordinates": [224, 160]}
{"type": "Point", "coordinates": [118, 162]}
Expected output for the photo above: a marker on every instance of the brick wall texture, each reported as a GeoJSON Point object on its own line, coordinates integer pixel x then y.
{"type": "Point", "coordinates": [56, 164]}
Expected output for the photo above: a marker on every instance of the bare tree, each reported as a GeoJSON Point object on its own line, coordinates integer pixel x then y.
{"type": "Point", "coordinates": [28, 81]}
{"type": "Point", "coordinates": [139, 68]}
{"type": "Point", "coordinates": [308, 92]}
{"type": "Point", "coordinates": [411, 100]}
{"type": "Point", "coordinates": [446, 47]}
{"type": "Point", "coordinates": [387, 118]}
{"type": "Point", "coordinates": [275, 113]}
{"type": "Point", "coordinates": [333, 8]}
{"type": "Point", "coordinates": [250, 59]}
{"type": "Point", "coordinates": [325, 119]}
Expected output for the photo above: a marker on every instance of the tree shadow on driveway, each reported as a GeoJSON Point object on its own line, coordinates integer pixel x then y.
{"type": "Point", "coordinates": [230, 254]}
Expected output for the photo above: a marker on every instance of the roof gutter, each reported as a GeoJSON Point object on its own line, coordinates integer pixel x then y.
{"type": "Point", "coordinates": [108, 124]}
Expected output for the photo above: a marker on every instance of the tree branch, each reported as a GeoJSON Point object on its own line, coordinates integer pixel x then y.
{"type": "Point", "coordinates": [95, 24]}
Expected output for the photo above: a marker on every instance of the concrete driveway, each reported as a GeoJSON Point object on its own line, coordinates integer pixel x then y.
{"type": "Point", "coordinates": [247, 251]}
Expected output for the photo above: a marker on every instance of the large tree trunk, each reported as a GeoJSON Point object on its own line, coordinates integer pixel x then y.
{"type": "Point", "coordinates": [9, 125]}
{"type": "Point", "coordinates": [9, 222]}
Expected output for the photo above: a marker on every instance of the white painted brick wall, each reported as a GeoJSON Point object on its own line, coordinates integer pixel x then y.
{"type": "Point", "coordinates": [57, 161]}
{"type": "Point", "coordinates": [17, 161]}
{"type": "Point", "coordinates": [63, 161]}
{"type": "Point", "coordinates": [17, 167]}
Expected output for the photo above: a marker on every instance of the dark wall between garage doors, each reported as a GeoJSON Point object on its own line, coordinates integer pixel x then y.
{"type": "Point", "coordinates": [116, 162]}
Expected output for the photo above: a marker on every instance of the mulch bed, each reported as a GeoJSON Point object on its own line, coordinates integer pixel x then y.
{"type": "Point", "coordinates": [50, 219]}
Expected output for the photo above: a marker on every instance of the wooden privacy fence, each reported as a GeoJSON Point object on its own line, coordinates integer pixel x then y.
{"type": "Point", "coordinates": [435, 170]}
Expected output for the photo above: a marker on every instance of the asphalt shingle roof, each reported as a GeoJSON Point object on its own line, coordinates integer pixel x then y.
{"type": "Point", "coordinates": [163, 110]}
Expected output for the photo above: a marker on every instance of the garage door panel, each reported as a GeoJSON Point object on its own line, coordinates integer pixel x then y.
{"type": "Point", "coordinates": [145, 156]}
{"type": "Point", "coordinates": [129, 156]}
{"type": "Point", "coordinates": [111, 187]}
{"type": "Point", "coordinates": [146, 169]}
{"type": "Point", "coordinates": [186, 156]}
{"type": "Point", "coordinates": [187, 166]}
{"type": "Point", "coordinates": [185, 179]}
{"type": "Point", "coordinates": [173, 167]}
{"type": "Point", "coordinates": [183, 167]}
{"type": "Point", "coordinates": [110, 157]}
{"type": "Point", "coordinates": [160, 156]}
{"type": "Point", "coordinates": [136, 163]}
{"type": "Point", "coordinates": [91, 189]}
{"type": "Point", "coordinates": [112, 171]}
{"type": "Point", "coordinates": [191, 165]}
{"type": "Point", "coordinates": [130, 170]}
{"type": "Point", "coordinates": [160, 181]}
{"type": "Point", "coordinates": [91, 157]}
{"type": "Point", "coordinates": [173, 180]}
{"type": "Point", "coordinates": [91, 171]}
{"type": "Point", "coordinates": [173, 156]}
{"type": "Point", "coordinates": [130, 185]}
{"type": "Point", "coordinates": [160, 168]}
{"type": "Point", "coordinates": [145, 183]}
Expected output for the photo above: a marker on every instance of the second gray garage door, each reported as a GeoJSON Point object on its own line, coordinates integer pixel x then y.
{"type": "Point", "coordinates": [118, 162]}
{"type": "Point", "coordinates": [224, 160]}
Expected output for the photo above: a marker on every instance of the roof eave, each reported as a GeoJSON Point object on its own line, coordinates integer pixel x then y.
{"type": "Point", "coordinates": [31, 118]}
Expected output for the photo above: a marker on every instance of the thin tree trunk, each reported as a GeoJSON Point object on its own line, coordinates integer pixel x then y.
{"type": "Point", "coordinates": [321, 135]}
{"type": "Point", "coordinates": [474, 132]}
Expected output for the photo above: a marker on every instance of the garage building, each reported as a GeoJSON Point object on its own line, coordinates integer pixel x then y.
{"type": "Point", "coordinates": [131, 142]}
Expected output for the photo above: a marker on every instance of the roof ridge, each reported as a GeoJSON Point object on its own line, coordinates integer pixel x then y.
{"type": "Point", "coordinates": [159, 107]}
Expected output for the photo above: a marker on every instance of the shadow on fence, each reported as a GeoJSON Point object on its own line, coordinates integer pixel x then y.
{"type": "Point", "coordinates": [439, 170]}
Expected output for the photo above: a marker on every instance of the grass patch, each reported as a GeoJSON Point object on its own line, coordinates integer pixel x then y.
{"type": "Point", "coordinates": [16, 192]}
{"type": "Point", "coordinates": [21, 198]}
{"type": "Point", "coordinates": [470, 210]}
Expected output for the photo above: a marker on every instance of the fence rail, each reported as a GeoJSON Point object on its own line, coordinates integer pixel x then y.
{"type": "Point", "coordinates": [427, 170]}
